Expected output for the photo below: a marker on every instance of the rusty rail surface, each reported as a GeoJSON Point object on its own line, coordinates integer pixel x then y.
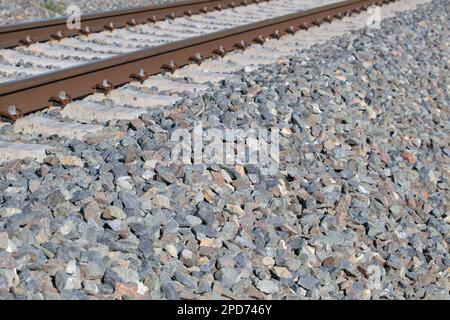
{"type": "Point", "coordinates": [24, 96]}
{"type": "Point", "coordinates": [37, 31]}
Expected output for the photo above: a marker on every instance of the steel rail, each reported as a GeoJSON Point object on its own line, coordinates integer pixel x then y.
{"type": "Point", "coordinates": [57, 28]}
{"type": "Point", "coordinates": [24, 96]}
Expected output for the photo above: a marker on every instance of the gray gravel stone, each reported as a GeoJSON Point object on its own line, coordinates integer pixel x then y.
{"type": "Point", "coordinates": [268, 286]}
{"type": "Point", "coordinates": [114, 213]}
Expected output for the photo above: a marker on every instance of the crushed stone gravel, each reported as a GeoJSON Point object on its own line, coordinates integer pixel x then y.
{"type": "Point", "coordinates": [359, 208]}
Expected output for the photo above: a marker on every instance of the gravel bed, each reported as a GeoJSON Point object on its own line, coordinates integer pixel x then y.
{"type": "Point", "coordinates": [359, 208]}
{"type": "Point", "coordinates": [25, 10]}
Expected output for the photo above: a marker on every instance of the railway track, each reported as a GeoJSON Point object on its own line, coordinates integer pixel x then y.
{"type": "Point", "coordinates": [167, 46]}
{"type": "Point", "coordinates": [30, 32]}
{"type": "Point", "coordinates": [154, 74]}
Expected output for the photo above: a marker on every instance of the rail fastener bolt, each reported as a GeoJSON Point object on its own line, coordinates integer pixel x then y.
{"type": "Point", "coordinates": [104, 87]}
{"type": "Point", "coordinates": [140, 76]}
{"type": "Point", "coordinates": [197, 58]}
{"type": "Point", "coordinates": [61, 100]}
{"type": "Point", "coordinates": [58, 35]}
{"type": "Point", "coordinates": [290, 30]}
{"type": "Point", "coordinates": [132, 23]}
{"type": "Point", "coordinates": [241, 45]}
{"type": "Point", "coordinates": [276, 35]}
{"type": "Point", "coordinates": [12, 113]}
{"type": "Point", "coordinates": [221, 52]}
{"type": "Point", "coordinates": [304, 26]}
{"type": "Point", "coordinates": [259, 39]}
{"type": "Point", "coordinates": [27, 41]}
{"type": "Point", "coordinates": [169, 67]}
{"type": "Point", "coordinates": [86, 30]}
